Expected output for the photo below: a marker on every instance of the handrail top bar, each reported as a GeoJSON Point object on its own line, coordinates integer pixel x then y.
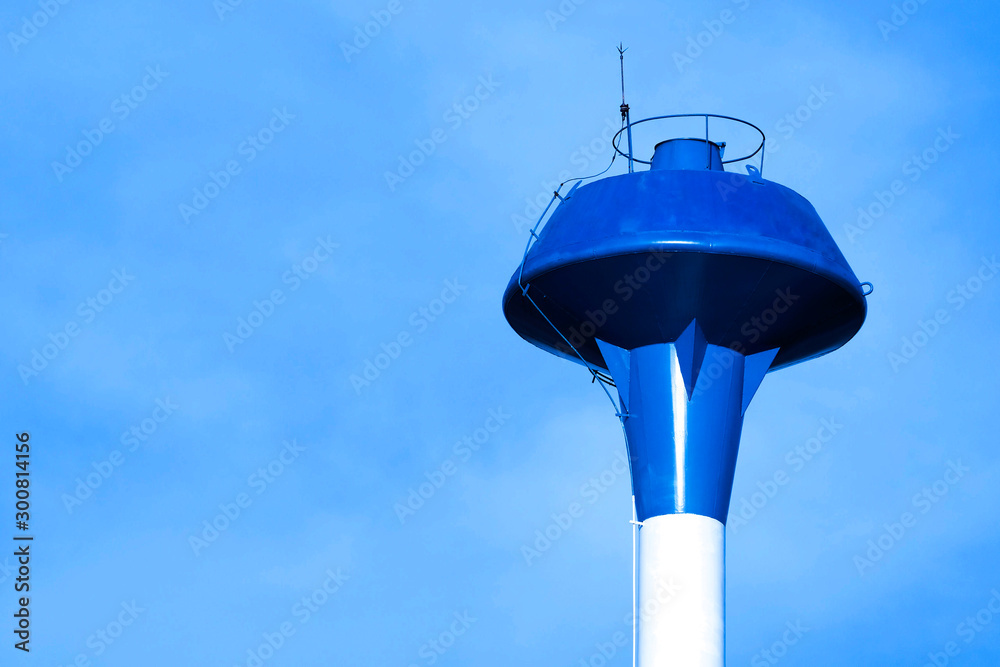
{"type": "Point", "coordinates": [706, 116]}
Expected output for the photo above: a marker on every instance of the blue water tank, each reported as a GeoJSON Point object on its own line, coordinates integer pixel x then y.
{"type": "Point", "coordinates": [634, 259]}
{"type": "Point", "coordinates": [687, 284]}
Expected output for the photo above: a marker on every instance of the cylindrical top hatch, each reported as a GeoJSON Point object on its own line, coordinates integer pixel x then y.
{"type": "Point", "coordinates": [687, 154]}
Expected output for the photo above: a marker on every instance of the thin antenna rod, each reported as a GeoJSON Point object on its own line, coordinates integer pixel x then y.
{"type": "Point", "coordinates": [621, 57]}
{"type": "Point", "coordinates": [624, 108]}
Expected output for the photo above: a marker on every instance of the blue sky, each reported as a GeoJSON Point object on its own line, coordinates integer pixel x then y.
{"type": "Point", "coordinates": [192, 366]}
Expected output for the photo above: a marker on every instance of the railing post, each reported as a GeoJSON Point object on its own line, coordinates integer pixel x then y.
{"type": "Point", "coordinates": [628, 125]}
{"type": "Point", "coordinates": [708, 146]}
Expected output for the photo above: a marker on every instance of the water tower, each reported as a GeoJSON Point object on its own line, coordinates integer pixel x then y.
{"type": "Point", "coordinates": [681, 285]}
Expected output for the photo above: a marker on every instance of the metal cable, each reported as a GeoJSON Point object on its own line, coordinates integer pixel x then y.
{"type": "Point", "coordinates": [620, 411]}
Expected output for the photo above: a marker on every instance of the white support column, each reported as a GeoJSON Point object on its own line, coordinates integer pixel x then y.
{"type": "Point", "coordinates": [682, 591]}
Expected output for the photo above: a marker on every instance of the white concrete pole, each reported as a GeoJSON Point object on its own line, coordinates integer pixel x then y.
{"type": "Point", "coordinates": [682, 591]}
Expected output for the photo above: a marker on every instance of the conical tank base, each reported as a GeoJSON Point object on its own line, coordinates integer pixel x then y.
{"type": "Point", "coordinates": [682, 405]}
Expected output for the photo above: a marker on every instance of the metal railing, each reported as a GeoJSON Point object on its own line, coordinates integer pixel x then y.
{"type": "Point", "coordinates": [708, 143]}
